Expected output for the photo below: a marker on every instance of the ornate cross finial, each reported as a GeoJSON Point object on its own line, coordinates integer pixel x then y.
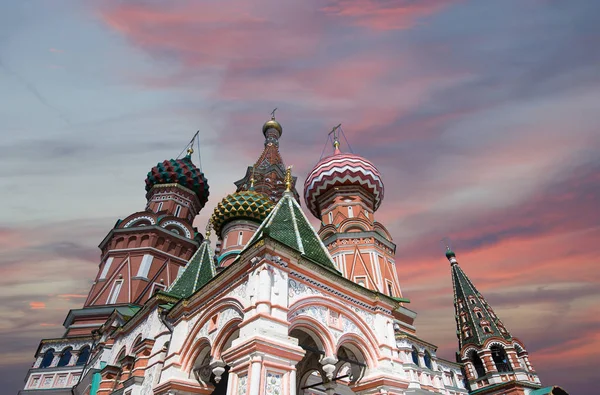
{"type": "Point", "coordinates": [273, 113]}
{"type": "Point", "coordinates": [288, 179]}
{"type": "Point", "coordinates": [336, 141]}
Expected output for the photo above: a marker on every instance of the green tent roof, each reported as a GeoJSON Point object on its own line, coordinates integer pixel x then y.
{"type": "Point", "coordinates": [287, 224]}
{"type": "Point", "coordinates": [199, 271]}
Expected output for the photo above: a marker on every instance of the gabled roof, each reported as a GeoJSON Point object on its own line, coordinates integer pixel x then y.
{"type": "Point", "coordinates": [288, 225]}
{"type": "Point", "coordinates": [470, 304]}
{"type": "Point", "coordinates": [199, 271]}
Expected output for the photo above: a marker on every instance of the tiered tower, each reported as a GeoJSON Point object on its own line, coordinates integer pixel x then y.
{"type": "Point", "coordinates": [344, 191]}
{"type": "Point", "coordinates": [495, 362]}
{"type": "Point", "coordinates": [142, 254]}
{"type": "Point", "coordinates": [239, 214]}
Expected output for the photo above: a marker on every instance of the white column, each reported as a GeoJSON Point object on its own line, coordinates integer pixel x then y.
{"type": "Point", "coordinates": [293, 384]}
{"type": "Point", "coordinates": [255, 376]}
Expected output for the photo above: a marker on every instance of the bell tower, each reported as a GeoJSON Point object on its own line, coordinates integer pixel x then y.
{"type": "Point", "coordinates": [495, 361]}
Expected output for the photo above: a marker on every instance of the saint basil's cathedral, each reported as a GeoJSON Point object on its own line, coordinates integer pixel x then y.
{"type": "Point", "coordinates": [274, 306]}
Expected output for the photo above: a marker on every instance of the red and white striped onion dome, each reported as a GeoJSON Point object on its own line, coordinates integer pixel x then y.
{"type": "Point", "coordinates": [342, 169]}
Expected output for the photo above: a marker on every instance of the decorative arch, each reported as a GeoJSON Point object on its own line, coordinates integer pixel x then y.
{"type": "Point", "coordinates": [223, 337]}
{"type": "Point", "coordinates": [143, 220]}
{"type": "Point", "coordinates": [427, 359]}
{"type": "Point", "coordinates": [122, 352]}
{"type": "Point", "coordinates": [494, 341]}
{"type": "Point", "coordinates": [327, 231]}
{"type": "Point", "coordinates": [178, 225]}
{"type": "Point", "coordinates": [321, 336]}
{"type": "Point", "coordinates": [379, 228]}
{"type": "Point", "coordinates": [500, 358]}
{"type": "Point", "coordinates": [207, 315]}
{"type": "Point", "coordinates": [198, 347]}
{"type": "Point", "coordinates": [320, 301]}
{"type": "Point", "coordinates": [84, 355]}
{"type": "Point", "coordinates": [358, 346]}
{"type": "Point", "coordinates": [353, 223]}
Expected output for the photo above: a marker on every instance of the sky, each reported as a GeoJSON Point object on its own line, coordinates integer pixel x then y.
{"type": "Point", "coordinates": [482, 117]}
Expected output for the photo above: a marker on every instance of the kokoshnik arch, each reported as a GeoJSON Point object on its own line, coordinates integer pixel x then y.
{"type": "Point", "coordinates": [276, 307]}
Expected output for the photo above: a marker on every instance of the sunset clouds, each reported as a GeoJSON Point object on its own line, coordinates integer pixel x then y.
{"type": "Point", "coordinates": [481, 116]}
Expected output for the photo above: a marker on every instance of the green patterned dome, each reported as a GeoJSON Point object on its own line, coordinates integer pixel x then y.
{"type": "Point", "coordinates": [182, 172]}
{"type": "Point", "coordinates": [250, 205]}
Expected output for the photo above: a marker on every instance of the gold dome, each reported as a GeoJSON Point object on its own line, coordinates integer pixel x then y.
{"type": "Point", "coordinates": [272, 124]}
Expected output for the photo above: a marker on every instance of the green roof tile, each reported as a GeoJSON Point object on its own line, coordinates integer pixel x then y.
{"type": "Point", "coordinates": [473, 311]}
{"type": "Point", "coordinates": [199, 271]}
{"type": "Point", "coordinates": [287, 224]}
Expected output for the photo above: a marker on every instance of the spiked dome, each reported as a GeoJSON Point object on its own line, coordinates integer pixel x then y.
{"type": "Point", "coordinates": [182, 172]}
{"type": "Point", "coordinates": [249, 205]}
{"type": "Point", "coordinates": [342, 169]}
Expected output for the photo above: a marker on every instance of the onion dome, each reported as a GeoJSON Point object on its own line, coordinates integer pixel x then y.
{"type": "Point", "coordinates": [341, 169]}
{"type": "Point", "coordinates": [182, 172]}
{"type": "Point", "coordinates": [249, 205]}
{"type": "Point", "coordinates": [272, 124]}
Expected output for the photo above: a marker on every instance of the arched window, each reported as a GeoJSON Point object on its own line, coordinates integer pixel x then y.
{"type": "Point", "coordinates": [350, 213]}
{"type": "Point", "coordinates": [427, 359]}
{"type": "Point", "coordinates": [415, 356]}
{"type": "Point", "coordinates": [330, 217]}
{"type": "Point", "coordinates": [48, 358]}
{"type": "Point", "coordinates": [477, 364]}
{"type": "Point", "coordinates": [479, 315]}
{"type": "Point", "coordinates": [84, 355]}
{"type": "Point", "coordinates": [65, 357]}
{"type": "Point", "coordinates": [500, 359]}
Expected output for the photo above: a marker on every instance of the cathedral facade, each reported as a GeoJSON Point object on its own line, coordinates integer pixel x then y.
{"type": "Point", "coordinates": [270, 305]}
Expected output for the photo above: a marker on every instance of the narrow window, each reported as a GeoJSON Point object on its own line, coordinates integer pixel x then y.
{"type": "Point", "coordinates": [415, 356]}
{"type": "Point", "coordinates": [48, 358]}
{"type": "Point", "coordinates": [350, 213]}
{"type": "Point", "coordinates": [472, 301]}
{"type": "Point", "coordinates": [145, 266]}
{"type": "Point", "coordinates": [427, 358]}
{"type": "Point", "coordinates": [114, 295]}
{"type": "Point", "coordinates": [479, 315]}
{"type": "Point", "coordinates": [240, 238]}
{"type": "Point", "coordinates": [177, 210]}
{"type": "Point", "coordinates": [330, 217]}
{"type": "Point", "coordinates": [83, 356]}
{"type": "Point", "coordinates": [159, 207]}
{"type": "Point", "coordinates": [65, 358]}
{"type": "Point", "coordinates": [106, 268]}
{"type": "Point", "coordinates": [225, 241]}
{"type": "Point", "coordinates": [366, 214]}
{"type": "Point", "coordinates": [477, 364]}
{"type": "Point", "coordinates": [390, 289]}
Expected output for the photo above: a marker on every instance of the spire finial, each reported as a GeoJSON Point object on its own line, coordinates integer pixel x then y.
{"type": "Point", "coordinates": [336, 140]}
{"type": "Point", "coordinates": [252, 179]}
{"type": "Point", "coordinates": [190, 151]}
{"type": "Point", "coordinates": [449, 253]}
{"type": "Point", "coordinates": [288, 179]}
{"type": "Point", "coordinates": [273, 113]}
{"type": "Point", "coordinates": [208, 229]}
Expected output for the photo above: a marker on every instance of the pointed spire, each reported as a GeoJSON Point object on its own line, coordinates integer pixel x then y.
{"type": "Point", "coordinates": [475, 319]}
{"type": "Point", "coordinates": [288, 225]}
{"type": "Point", "coordinates": [198, 271]}
{"type": "Point", "coordinates": [336, 140]}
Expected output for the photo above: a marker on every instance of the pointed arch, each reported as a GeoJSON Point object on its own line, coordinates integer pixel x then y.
{"type": "Point", "coordinates": [356, 343]}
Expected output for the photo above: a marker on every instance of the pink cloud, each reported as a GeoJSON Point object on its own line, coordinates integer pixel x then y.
{"type": "Point", "coordinates": [37, 305]}
{"type": "Point", "coordinates": [385, 15]}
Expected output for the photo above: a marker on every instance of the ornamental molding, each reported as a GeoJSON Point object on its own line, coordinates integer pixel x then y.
{"type": "Point", "coordinates": [60, 345]}
{"type": "Point", "coordinates": [179, 225]}
{"type": "Point", "coordinates": [340, 295]}
{"type": "Point", "coordinates": [136, 219]}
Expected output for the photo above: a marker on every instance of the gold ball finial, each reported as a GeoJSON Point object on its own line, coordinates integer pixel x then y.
{"type": "Point", "coordinates": [208, 228]}
{"type": "Point", "coordinates": [288, 179]}
{"type": "Point", "coordinates": [190, 151]}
